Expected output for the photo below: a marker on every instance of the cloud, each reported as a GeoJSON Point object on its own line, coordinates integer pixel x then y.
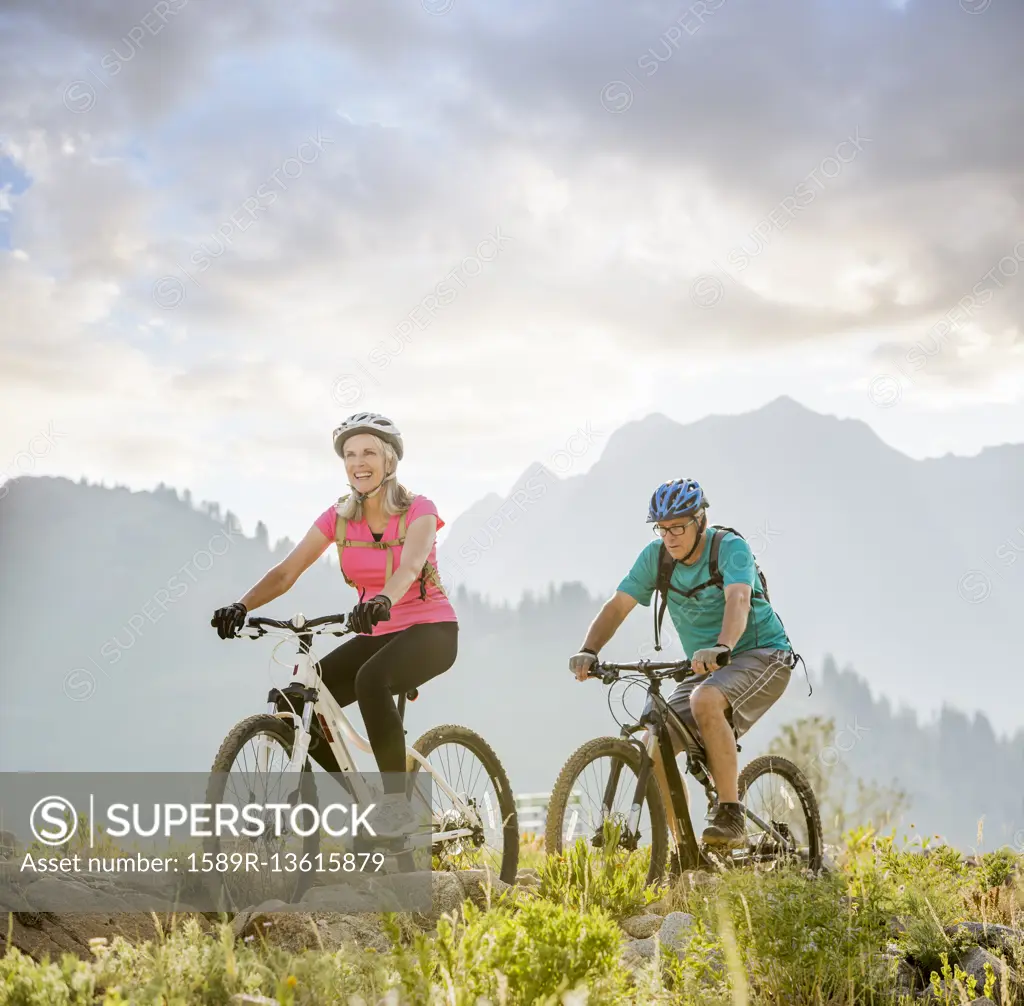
{"type": "Point", "coordinates": [672, 228]}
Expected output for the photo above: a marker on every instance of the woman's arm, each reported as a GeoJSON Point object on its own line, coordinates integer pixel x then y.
{"type": "Point", "coordinates": [281, 577]}
{"type": "Point", "coordinates": [419, 540]}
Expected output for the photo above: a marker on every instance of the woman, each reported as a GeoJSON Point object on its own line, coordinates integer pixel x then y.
{"type": "Point", "coordinates": [408, 630]}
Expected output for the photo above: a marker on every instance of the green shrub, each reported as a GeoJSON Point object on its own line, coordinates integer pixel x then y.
{"type": "Point", "coordinates": [531, 955]}
{"type": "Point", "coordinates": [609, 877]}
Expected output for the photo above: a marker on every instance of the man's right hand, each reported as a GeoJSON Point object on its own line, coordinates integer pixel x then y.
{"type": "Point", "coordinates": [227, 621]}
{"type": "Point", "coordinates": [581, 663]}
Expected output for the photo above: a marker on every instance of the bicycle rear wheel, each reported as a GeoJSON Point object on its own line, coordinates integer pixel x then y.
{"type": "Point", "coordinates": [250, 769]}
{"type": "Point", "coordinates": [778, 795]}
{"type": "Point", "coordinates": [471, 769]}
{"type": "Point", "coordinates": [597, 786]}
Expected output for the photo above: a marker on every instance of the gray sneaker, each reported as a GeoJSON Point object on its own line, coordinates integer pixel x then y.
{"type": "Point", "coordinates": [393, 817]}
{"type": "Point", "coordinates": [727, 828]}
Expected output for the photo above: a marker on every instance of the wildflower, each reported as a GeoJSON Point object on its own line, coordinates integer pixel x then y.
{"type": "Point", "coordinates": [291, 981]}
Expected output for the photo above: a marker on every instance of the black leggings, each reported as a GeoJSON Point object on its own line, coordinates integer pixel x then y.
{"type": "Point", "coordinates": [370, 670]}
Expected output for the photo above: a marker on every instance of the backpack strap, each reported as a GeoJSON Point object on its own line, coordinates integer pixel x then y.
{"type": "Point", "coordinates": [663, 580]}
{"type": "Point", "coordinates": [429, 571]}
{"type": "Point", "coordinates": [715, 574]}
{"type": "Point", "coordinates": [664, 583]}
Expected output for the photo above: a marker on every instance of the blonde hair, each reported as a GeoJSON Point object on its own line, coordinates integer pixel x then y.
{"type": "Point", "coordinates": [396, 498]}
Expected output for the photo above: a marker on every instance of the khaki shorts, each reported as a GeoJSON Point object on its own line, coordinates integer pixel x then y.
{"type": "Point", "coordinates": [752, 683]}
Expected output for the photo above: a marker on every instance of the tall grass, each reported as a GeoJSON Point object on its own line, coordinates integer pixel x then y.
{"type": "Point", "coordinates": [774, 938]}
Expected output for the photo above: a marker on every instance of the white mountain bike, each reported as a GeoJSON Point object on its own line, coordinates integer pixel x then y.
{"type": "Point", "coordinates": [473, 812]}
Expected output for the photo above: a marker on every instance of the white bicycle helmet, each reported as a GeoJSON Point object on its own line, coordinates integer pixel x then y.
{"type": "Point", "coordinates": [368, 422]}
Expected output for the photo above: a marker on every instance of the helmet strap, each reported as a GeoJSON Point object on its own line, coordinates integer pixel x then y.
{"type": "Point", "coordinates": [360, 496]}
{"type": "Point", "coordinates": [700, 534]}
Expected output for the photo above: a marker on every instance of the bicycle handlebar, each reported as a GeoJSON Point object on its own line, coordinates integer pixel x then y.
{"type": "Point", "coordinates": [261, 624]}
{"type": "Point", "coordinates": [680, 670]}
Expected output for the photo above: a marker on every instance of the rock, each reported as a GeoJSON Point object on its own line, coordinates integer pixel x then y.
{"type": "Point", "coordinates": [482, 887]}
{"type": "Point", "coordinates": [447, 896]}
{"type": "Point", "coordinates": [250, 922]}
{"type": "Point", "coordinates": [50, 894]}
{"type": "Point", "coordinates": [642, 948]}
{"type": "Point", "coordinates": [657, 908]}
{"type": "Point", "coordinates": [341, 900]}
{"type": "Point", "coordinates": [298, 931]}
{"type": "Point", "coordinates": [364, 931]}
{"type": "Point", "coordinates": [974, 961]}
{"type": "Point", "coordinates": [904, 975]}
{"type": "Point", "coordinates": [675, 931]}
{"type": "Point", "coordinates": [981, 1002]}
{"type": "Point", "coordinates": [528, 877]}
{"type": "Point", "coordinates": [991, 936]}
{"type": "Point", "coordinates": [897, 925]}
{"type": "Point", "coordinates": [53, 934]}
{"type": "Point", "coordinates": [640, 927]}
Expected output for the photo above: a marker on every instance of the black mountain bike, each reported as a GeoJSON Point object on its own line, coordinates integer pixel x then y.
{"type": "Point", "coordinates": [611, 780]}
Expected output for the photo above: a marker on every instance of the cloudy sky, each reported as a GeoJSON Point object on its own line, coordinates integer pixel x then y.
{"type": "Point", "coordinates": [224, 226]}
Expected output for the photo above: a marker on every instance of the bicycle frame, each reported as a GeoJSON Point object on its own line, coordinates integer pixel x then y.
{"type": "Point", "coordinates": [307, 687]}
{"type": "Point", "coordinates": [656, 722]}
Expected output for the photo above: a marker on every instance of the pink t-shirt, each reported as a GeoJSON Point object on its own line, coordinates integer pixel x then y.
{"type": "Point", "coordinates": [366, 568]}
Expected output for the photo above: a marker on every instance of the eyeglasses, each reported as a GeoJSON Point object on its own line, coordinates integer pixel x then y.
{"type": "Point", "coordinates": [673, 532]}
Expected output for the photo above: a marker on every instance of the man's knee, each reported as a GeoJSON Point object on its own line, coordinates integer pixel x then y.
{"type": "Point", "coordinates": [707, 702]}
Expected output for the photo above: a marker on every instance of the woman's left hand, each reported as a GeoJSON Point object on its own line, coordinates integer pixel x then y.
{"type": "Point", "coordinates": [366, 614]}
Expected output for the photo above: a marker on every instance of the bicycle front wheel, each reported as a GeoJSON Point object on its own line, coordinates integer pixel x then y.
{"type": "Point", "coordinates": [483, 813]}
{"type": "Point", "coordinates": [250, 769]}
{"type": "Point", "coordinates": [783, 822]}
{"type": "Point", "coordinates": [597, 786]}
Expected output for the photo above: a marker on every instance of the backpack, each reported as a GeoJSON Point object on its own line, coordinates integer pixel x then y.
{"type": "Point", "coordinates": [429, 571]}
{"type": "Point", "coordinates": [666, 564]}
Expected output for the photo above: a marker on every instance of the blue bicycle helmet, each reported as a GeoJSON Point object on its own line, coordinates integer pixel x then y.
{"type": "Point", "coordinates": [677, 498]}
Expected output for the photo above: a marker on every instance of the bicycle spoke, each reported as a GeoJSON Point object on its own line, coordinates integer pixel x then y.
{"type": "Point", "coordinates": [774, 801]}
{"type": "Point", "coordinates": [471, 783]}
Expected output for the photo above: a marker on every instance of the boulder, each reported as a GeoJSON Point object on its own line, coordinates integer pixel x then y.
{"type": "Point", "coordinates": [658, 908]}
{"type": "Point", "coordinates": [251, 922]}
{"type": "Point", "coordinates": [989, 935]}
{"type": "Point", "coordinates": [482, 887]}
{"type": "Point", "coordinates": [973, 963]}
{"type": "Point", "coordinates": [675, 930]}
{"type": "Point", "coordinates": [447, 894]}
{"type": "Point", "coordinates": [528, 877]}
{"type": "Point", "coordinates": [641, 948]}
{"type": "Point", "coordinates": [52, 935]}
{"type": "Point", "coordinates": [60, 894]}
{"type": "Point", "coordinates": [641, 927]}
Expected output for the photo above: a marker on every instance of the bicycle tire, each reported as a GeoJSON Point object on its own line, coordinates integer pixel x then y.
{"type": "Point", "coordinates": [604, 747]}
{"type": "Point", "coordinates": [784, 768]}
{"type": "Point", "coordinates": [237, 738]}
{"type": "Point", "coordinates": [450, 733]}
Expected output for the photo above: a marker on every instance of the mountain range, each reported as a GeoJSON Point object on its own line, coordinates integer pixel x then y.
{"type": "Point", "coordinates": [906, 568]}
{"type": "Point", "coordinates": [877, 562]}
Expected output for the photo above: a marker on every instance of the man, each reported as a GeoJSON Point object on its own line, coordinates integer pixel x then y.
{"type": "Point", "coordinates": [733, 617]}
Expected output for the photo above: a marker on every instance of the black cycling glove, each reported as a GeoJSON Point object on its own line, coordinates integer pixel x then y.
{"type": "Point", "coordinates": [366, 614]}
{"type": "Point", "coordinates": [227, 621]}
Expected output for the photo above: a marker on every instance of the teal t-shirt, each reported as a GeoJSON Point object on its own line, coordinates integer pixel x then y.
{"type": "Point", "coordinates": [698, 620]}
